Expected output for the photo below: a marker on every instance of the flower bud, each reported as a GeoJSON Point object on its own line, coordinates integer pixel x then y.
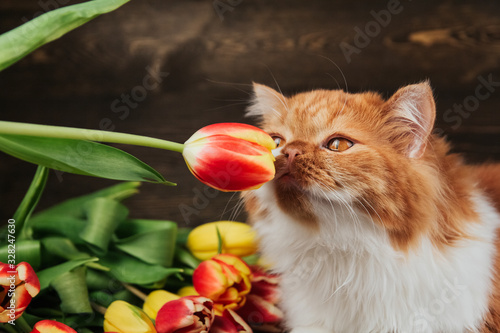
{"type": "Point", "coordinates": [225, 280]}
{"type": "Point", "coordinates": [237, 238]}
{"type": "Point", "coordinates": [51, 326]}
{"type": "Point", "coordinates": [18, 285]}
{"type": "Point", "coordinates": [190, 314]}
{"type": "Point", "coordinates": [230, 156]}
{"type": "Point", "coordinates": [122, 317]}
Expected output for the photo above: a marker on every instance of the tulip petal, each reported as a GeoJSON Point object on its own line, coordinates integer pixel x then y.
{"type": "Point", "coordinates": [155, 300]}
{"type": "Point", "coordinates": [209, 280]}
{"type": "Point", "coordinates": [27, 274]}
{"type": "Point", "coordinates": [51, 326]}
{"type": "Point", "coordinates": [223, 325]}
{"type": "Point", "coordinates": [234, 261]}
{"type": "Point", "coordinates": [237, 130]}
{"type": "Point", "coordinates": [187, 291]}
{"type": "Point", "coordinates": [237, 321]}
{"type": "Point", "coordinates": [6, 274]}
{"type": "Point", "coordinates": [259, 311]}
{"type": "Point", "coordinates": [124, 317]}
{"type": "Point", "coordinates": [187, 314]}
{"type": "Point", "coordinates": [265, 285]}
{"type": "Point", "coordinates": [22, 299]}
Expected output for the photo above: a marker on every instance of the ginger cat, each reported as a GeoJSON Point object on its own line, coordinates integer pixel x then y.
{"type": "Point", "coordinates": [372, 223]}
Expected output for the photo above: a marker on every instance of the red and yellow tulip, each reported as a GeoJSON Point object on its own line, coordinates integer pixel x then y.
{"type": "Point", "coordinates": [51, 326]}
{"type": "Point", "coordinates": [230, 156]}
{"type": "Point", "coordinates": [260, 310]}
{"type": "Point", "coordinates": [18, 285]}
{"type": "Point", "coordinates": [230, 322]}
{"type": "Point", "coordinates": [190, 314]}
{"type": "Point", "coordinates": [225, 279]}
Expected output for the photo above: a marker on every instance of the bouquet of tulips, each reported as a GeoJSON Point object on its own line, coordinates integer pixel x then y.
{"type": "Point", "coordinates": [92, 259]}
{"type": "Point", "coordinates": [96, 266]}
{"type": "Point", "coordinates": [84, 264]}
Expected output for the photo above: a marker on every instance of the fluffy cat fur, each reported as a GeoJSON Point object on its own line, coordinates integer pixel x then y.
{"type": "Point", "coordinates": [393, 234]}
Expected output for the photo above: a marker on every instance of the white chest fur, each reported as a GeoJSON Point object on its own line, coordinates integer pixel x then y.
{"type": "Point", "coordinates": [347, 277]}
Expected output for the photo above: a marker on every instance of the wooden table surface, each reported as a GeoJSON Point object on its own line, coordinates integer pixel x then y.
{"type": "Point", "coordinates": [205, 59]}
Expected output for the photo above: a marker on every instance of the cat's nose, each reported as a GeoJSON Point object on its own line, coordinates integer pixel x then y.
{"type": "Point", "coordinates": [291, 153]}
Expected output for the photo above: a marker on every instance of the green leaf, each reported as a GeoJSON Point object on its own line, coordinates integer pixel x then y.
{"type": "Point", "coordinates": [19, 42]}
{"type": "Point", "coordinates": [47, 275]}
{"type": "Point", "coordinates": [31, 319]}
{"type": "Point", "coordinates": [69, 227]}
{"type": "Point", "coordinates": [75, 207]}
{"type": "Point", "coordinates": [185, 257]}
{"type": "Point", "coordinates": [64, 248]}
{"type": "Point", "coordinates": [23, 250]}
{"type": "Point", "coordinates": [252, 259]}
{"type": "Point", "coordinates": [80, 157]}
{"type": "Point", "coordinates": [131, 270]}
{"type": "Point", "coordinates": [182, 235]}
{"type": "Point", "coordinates": [219, 240]}
{"type": "Point", "coordinates": [72, 290]}
{"type": "Point", "coordinates": [80, 321]}
{"type": "Point", "coordinates": [100, 281]}
{"type": "Point", "coordinates": [152, 241]}
{"type": "Point", "coordinates": [104, 216]}
{"type": "Point", "coordinates": [30, 201]}
{"type": "Point", "coordinates": [105, 298]}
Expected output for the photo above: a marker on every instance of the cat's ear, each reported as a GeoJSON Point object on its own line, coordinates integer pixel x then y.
{"type": "Point", "coordinates": [265, 101]}
{"type": "Point", "coordinates": [412, 112]}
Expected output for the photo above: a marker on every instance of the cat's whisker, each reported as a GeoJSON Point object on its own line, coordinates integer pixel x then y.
{"type": "Point", "coordinates": [281, 98]}
{"type": "Point", "coordinates": [338, 85]}
{"type": "Point", "coordinates": [225, 210]}
{"type": "Point", "coordinates": [233, 85]}
{"type": "Point", "coordinates": [237, 210]}
{"type": "Point", "coordinates": [224, 106]}
{"type": "Point", "coordinates": [340, 70]}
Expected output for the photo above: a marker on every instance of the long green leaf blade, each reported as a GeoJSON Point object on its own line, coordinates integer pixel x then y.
{"type": "Point", "coordinates": [80, 157]}
{"type": "Point", "coordinates": [72, 290]}
{"type": "Point", "coordinates": [49, 274]}
{"type": "Point", "coordinates": [19, 42]}
{"type": "Point", "coordinates": [130, 270]}
{"type": "Point", "coordinates": [75, 207]}
{"type": "Point", "coordinates": [30, 201]}
{"type": "Point", "coordinates": [152, 241]}
{"type": "Point", "coordinates": [104, 216]}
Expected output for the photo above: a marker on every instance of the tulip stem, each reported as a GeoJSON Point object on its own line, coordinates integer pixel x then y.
{"type": "Point", "coordinates": [47, 131]}
{"type": "Point", "coordinates": [9, 328]}
{"type": "Point", "coordinates": [99, 308]}
{"type": "Point", "coordinates": [135, 291]}
{"type": "Point", "coordinates": [22, 325]}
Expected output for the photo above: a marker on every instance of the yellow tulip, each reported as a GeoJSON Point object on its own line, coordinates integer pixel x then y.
{"type": "Point", "coordinates": [237, 238]}
{"type": "Point", "coordinates": [187, 291]}
{"type": "Point", "coordinates": [122, 317]}
{"type": "Point", "coordinates": [156, 300]}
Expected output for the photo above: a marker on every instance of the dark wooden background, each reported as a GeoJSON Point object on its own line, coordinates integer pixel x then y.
{"type": "Point", "coordinates": [80, 79]}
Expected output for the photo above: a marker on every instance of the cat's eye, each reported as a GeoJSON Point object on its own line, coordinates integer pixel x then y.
{"type": "Point", "coordinates": [339, 144]}
{"type": "Point", "coordinates": [278, 140]}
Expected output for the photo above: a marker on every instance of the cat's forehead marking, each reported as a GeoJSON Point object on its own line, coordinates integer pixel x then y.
{"type": "Point", "coordinates": [315, 115]}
